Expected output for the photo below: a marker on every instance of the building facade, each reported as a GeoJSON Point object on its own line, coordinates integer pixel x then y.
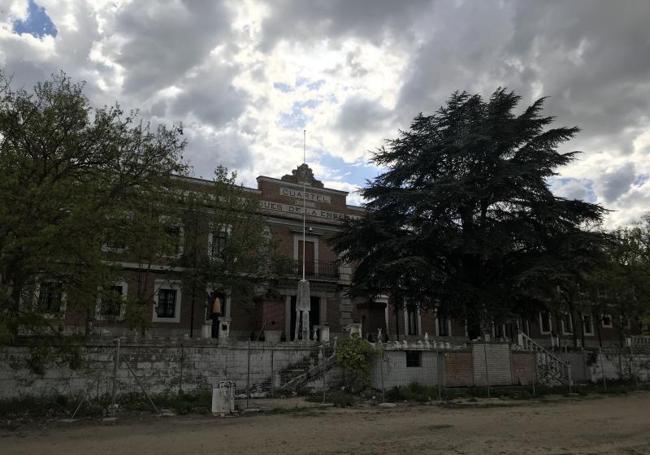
{"type": "Point", "coordinates": [178, 311]}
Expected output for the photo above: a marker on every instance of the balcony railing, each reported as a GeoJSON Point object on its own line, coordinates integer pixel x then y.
{"type": "Point", "coordinates": [324, 270]}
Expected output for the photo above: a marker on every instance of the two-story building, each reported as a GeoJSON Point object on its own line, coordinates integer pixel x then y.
{"type": "Point", "coordinates": [178, 311]}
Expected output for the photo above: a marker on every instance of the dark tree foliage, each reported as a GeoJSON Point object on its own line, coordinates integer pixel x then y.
{"type": "Point", "coordinates": [464, 219]}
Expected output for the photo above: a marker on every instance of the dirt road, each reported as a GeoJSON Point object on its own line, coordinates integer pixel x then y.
{"type": "Point", "coordinates": [615, 425]}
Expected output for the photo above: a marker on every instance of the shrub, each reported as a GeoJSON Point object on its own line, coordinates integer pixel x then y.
{"type": "Point", "coordinates": [412, 392]}
{"type": "Point", "coordinates": [353, 355]}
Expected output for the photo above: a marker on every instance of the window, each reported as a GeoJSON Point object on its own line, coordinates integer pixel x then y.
{"type": "Point", "coordinates": [626, 323]}
{"type": "Point", "coordinates": [50, 298]}
{"type": "Point", "coordinates": [173, 238]}
{"type": "Point", "coordinates": [166, 307]}
{"type": "Point", "coordinates": [607, 321]}
{"type": "Point", "coordinates": [167, 301]}
{"type": "Point", "coordinates": [110, 303]}
{"type": "Point", "coordinates": [311, 254]}
{"type": "Point", "coordinates": [218, 239]}
{"type": "Point", "coordinates": [444, 325]}
{"type": "Point", "coordinates": [115, 233]}
{"type": "Point", "coordinates": [413, 359]}
{"type": "Point", "coordinates": [545, 325]}
{"type": "Point", "coordinates": [567, 324]}
{"type": "Point", "coordinates": [587, 324]}
{"type": "Point", "coordinates": [412, 320]}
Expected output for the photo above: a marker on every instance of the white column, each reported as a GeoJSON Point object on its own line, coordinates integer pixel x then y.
{"type": "Point", "coordinates": [227, 303]}
{"type": "Point", "coordinates": [419, 328]}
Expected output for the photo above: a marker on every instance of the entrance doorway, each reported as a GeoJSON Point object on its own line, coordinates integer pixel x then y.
{"type": "Point", "coordinates": [314, 315]}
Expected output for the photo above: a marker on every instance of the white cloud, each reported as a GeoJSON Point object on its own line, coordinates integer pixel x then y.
{"type": "Point", "coordinates": [246, 77]}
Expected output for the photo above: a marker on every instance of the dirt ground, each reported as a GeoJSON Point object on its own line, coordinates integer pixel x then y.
{"type": "Point", "coordinates": [612, 425]}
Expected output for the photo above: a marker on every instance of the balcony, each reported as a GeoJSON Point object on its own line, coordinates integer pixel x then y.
{"type": "Point", "coordinates": [317, 270]}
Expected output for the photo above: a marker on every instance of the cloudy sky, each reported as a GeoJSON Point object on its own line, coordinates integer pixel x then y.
{"type": "Point", "coordinates": [245, 77]}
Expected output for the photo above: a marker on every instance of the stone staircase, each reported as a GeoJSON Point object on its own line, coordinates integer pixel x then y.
{"type": "Point", "coordinates": [299, 375]}
{"type": "Point", "coordinates": [551, 370]}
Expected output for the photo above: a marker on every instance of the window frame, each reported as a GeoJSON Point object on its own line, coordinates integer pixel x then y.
{"type": "Point", "coordinates": [549, 319]}
{"type": "Point", "coordinates": [125, 291]}
{"type": "Point", "coordinates": [224, 227]}
{"type": "Point", "coordinates": [591, 324]}
{"type": "Point", "coordinates": [563, 325]}
{"type": "Point", "coordinates": [439, 325]}
{"type": "Point", "coordinates": [412, 315]}
{"type": "Point", "coordinates": [37, 296]}
{"type": "Point", "coordinates": [107, 248]}
{"type": "Point", "coordinates": [173, 285]}
{"type": "Point", "coordinates": [180, 246]}
{"type": "Point", "coordinates": [611, 321]}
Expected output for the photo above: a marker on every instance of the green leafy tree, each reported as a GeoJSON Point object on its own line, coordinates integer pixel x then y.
{"type": "Point", "coordinates": [71, 173]}
{"type": "Point", "coordinates": [228, 245]}
{"type": "Point", "coordinates": [620, 287]}
{"type": "Point", "coordinates": [463, 217]}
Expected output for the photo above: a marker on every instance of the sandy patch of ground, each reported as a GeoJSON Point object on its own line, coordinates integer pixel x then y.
{"type": "Point", "coordinates": [613, 425]}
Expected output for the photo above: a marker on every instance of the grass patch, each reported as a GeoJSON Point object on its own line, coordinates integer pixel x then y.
{"type": "Point", "coordinates": [413, 392]}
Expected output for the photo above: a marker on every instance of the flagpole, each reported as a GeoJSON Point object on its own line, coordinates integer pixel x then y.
{"type": "Point", "coordinates": [304, 210]}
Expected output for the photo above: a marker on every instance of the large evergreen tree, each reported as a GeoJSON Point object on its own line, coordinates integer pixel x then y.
{"type": "Point", "coordinates": [464, 219]}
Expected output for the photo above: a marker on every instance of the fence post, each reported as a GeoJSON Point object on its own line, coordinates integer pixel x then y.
{"type": "Point", "coordinates": [116, 362]}
{"type": "Point", "coordinates": [381, 376]}
{"type": "Point", "coordinates": [441, 372]}
{"type": "Point", "coordinates": [180, 376]}
{"type": "Point", "coordinates": [248, 374]}
{"type": "Point", "coordinates": [632, 372]}
{"type": "Point", "coordinates": [602, 368]}
{"type": "Point", "coordinates": [272, 373]}
{"type": "Point", "coordinates": [323, 360]}
{"type": "Point", "coordinates": [487, 375]}
{"type": "Point", "coordinates": [534, 371]}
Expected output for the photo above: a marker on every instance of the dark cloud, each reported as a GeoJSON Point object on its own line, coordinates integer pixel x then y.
{"type": "Point", "coordinates": [374, 20]}
{"type": "Point", "coordinates": [210, 149]}
{"type": "Point", "coordinates": [159, 42]}
{"type": "Point", "coordinates": [617, 182]}
{"type": "Point", "coordinates": [359, 115]}
{"type": "Point", "coordinates": [210, 96]}
{"type": "Point", "coordinates": [590, 57]}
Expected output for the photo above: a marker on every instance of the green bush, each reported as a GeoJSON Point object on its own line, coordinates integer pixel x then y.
{"type": "Point", "coordinates": [353, 355]}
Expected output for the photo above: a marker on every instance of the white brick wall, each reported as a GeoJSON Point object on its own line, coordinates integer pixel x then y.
{"type": "Point", "coordinates": [396, 373]}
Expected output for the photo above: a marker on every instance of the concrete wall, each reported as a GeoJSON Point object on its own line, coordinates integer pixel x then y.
{"type": "Point", "coordinates": [618, 365]}
{"type": "Point", "coordinates": [456, 367]}
{"type": "Point", "coordinates": [396, 373]}
{"type": "Point", "coordinates": [161, 368]}
{"type": "Point", "coordinates": [498, 370]}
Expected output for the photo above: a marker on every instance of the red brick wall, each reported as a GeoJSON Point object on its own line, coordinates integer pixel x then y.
{"type": "Point", "coordinates": [273, 314]}
{"type": "Point", "coordinates": [458, 369]}
{"type": "Point", "coordinates": [523, 367]}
